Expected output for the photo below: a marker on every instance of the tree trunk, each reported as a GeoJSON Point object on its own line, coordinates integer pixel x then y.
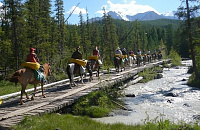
{"type": "Point", "coordinates": [190, 42]}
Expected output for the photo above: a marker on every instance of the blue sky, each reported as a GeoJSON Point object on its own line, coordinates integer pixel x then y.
{"type": "Point", "coordinates": [126, 7]}
{"type": "Point", "coordinates": [129, 7]}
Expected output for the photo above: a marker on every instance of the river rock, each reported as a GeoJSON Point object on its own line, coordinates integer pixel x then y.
{"type": "Point", "coordinates": [170, 95]}
{"type": "Point", "coordinates": [187, 105]}
{"type": "Point", "coordinates": [183, 79]}
{"type": "Point", "coordinates": [158, 76]}
{"type": "Point", "coordinates": [130, 95]}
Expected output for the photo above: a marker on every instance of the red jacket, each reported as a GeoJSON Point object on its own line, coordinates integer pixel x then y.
{"type": "Point", "coordinates": [95, 52]}
{"type": "Point", "coordinates": [32, 57]}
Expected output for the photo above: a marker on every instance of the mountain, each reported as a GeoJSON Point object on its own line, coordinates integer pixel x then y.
{"type": "Point", "coordinates": [150, 15]}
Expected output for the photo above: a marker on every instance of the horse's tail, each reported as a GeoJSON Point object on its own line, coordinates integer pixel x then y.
{"type": "Point", "coordinates": [68, 73]}
{"type": "Point", "coordinates": [15, 76]}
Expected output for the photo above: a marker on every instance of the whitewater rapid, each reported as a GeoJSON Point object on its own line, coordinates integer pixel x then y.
{"type": "Point", "coordinates": [166, 98]}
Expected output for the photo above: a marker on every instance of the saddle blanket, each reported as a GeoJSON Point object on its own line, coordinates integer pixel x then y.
{"type": "Point", "coordinates": [39, 75]}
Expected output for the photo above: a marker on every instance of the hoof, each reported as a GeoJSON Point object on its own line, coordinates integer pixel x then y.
{"type": "Point", "coordinates": [44, 96]}
{"type": "Point", "coordinates": [32, 98]}
{"type": "Point", "coordinates": [21, 103]}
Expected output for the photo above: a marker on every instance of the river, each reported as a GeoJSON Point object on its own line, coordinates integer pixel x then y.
{"type": "Point", "coordinates": [166, 98]}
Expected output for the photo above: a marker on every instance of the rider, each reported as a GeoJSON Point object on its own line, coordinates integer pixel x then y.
{"type": "Point", "coordinates": [131, 52]}
{"type": "Point", "coordinates": [144, 52]}
{"type": "Point", "coordinates": [96, 53]}
{"type": "Point", "coordinates": [77, 54]}
{"type": "Point", "coordinates": [138, 52]}
{"type": "Point", "coordinates": [148, 52]}
{"type": "Point", "coordinates": [118, 52]}
{"type": "Point", "coordinates": [124, 52]}
{"type": "Point", "coordinates": [32, 56]}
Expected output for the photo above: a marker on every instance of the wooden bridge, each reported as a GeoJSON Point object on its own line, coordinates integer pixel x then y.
{"type": "Point", "coordinates": [59, 95]}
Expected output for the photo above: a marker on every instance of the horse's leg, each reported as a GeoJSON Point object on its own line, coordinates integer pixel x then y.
{"type": "Point", "coordinates": [81, 78]}
{"type": "Point", "coordinates": [73, 80]}
{"type": "Point", "coordinates": [35, 89]}
{"type": "Point", "coordinates": [98, 71]}
{"type": "Point", "coordinates": [23, 91]}
{"type": "Point", "coordinates": [42, 88]}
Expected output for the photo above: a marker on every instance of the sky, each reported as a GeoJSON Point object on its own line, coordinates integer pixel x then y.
{"type": "Point", "coordinates": [127, 7]}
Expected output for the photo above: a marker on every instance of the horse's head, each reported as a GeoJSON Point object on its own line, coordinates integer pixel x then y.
{"type": "Point", "coordinates": [47, 69]}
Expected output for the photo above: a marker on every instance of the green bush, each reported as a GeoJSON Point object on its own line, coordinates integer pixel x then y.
{"type": "Point", "coordinates": [96, 104]}
{"type": "Point", "coordinates": [193, 81]}
{"type": "Point", "coordinates": [175, 58]}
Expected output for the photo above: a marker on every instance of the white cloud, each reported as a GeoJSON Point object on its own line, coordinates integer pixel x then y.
{"type": "Point", "coordinates": [128, 7]}
{"type": "Point", "coordinates": [77, 10]}
{"type": "Point", "coordinates": [1, 4]}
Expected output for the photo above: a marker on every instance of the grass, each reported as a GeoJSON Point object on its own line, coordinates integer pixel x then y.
{"type": "Point", "coordinates": [70, 122]}
{"type": "Point", "coordinates": [7, 87]}
{"type": "Point", "coordinates": [96, 104]}
{"type": "Point", "coordinates": [148, 74]}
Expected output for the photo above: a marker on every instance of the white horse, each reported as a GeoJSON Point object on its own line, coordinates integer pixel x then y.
{"type": "Point", "coordinates": [131, 61]}
{"type": "Point", "coordinates": [74, 68]}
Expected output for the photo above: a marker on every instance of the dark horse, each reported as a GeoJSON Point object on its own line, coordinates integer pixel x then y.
{"type": "Point", "coordinates": [149, 58]}
{"type": "Point", "coordinates": [138, 60]}
{"type": "Point", "coordinates": [94, 66]}
{"type": "Point", "coordinates": [118, 63]}
{"type": "Point", "coordinates": [144, 59]}
{"type": "Point", "coordinates": [26, 76]}
{"type": "Point", "coordinates": [74, 68]}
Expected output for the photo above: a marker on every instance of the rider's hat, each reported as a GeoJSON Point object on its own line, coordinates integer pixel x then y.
{"type": "Point", "coordinates": [118, 48]}
{"type": "Point", "coordinates": [32, 49]}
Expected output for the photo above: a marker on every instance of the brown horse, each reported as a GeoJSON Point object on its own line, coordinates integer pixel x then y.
{"type": "Point", "coordinates": [138, 60]}
{"type": "Point", "coordinates": [118, 63]}
{"type": "Point", "coordinates": [26, 76]}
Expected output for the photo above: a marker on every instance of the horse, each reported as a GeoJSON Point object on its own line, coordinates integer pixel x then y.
{"type": "Point", "coordinates": [144, 59]}
{"type": "Point", "coordinates": [118, 63]}
{"type": "Point", "coordinates": [94, 66]}
{"type": "Point", "coordinates": [154, 55]}
{"type": "Point", "coordinates": [149, 58]}
{"type": "Point", "coordinates": [138, 60]}
{"type": "Point", "coordinates": [130, 61]}
{"type": "Point", "coordinates": [74, 68]}
{"type": "Point", "coordinates": [26, 76]}
{"type": "Point", "coordinates": [159, 56]}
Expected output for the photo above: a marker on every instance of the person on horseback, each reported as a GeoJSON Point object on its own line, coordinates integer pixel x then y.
{"type": "Point", "coordinates": [32, 56]}
{"type": "Point", "coordinates": [96, 53]}
{"type": "Point", "coordinates": [143, 52]}
{"type": "Point", "coordinates": [124, 52]}
{"type": "Point", "coordinates": [118, 52]}
{"type": "Point", "coordinates": [138, 52]}
{"type": "Point", "coordinates": [148, 52]}
{"type": "Point", "coordinates": [131, 52]}
{"type": "Point", "coordinates": [77, 54]}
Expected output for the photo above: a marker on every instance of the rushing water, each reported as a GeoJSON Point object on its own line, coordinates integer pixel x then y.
{"type": "Point", "coordinates": [160, 99]}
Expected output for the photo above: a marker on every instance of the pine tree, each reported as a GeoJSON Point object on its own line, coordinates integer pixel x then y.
{"type": "Point", "coordinates": [186, 12]}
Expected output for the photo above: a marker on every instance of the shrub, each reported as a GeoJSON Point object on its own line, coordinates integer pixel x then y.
{"type": "Point", "coordinates": [193, 81]}
{"type": "Point", "coordinates": [96, 104]}
{"type": "Point", "coordinates": [175, 58]}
